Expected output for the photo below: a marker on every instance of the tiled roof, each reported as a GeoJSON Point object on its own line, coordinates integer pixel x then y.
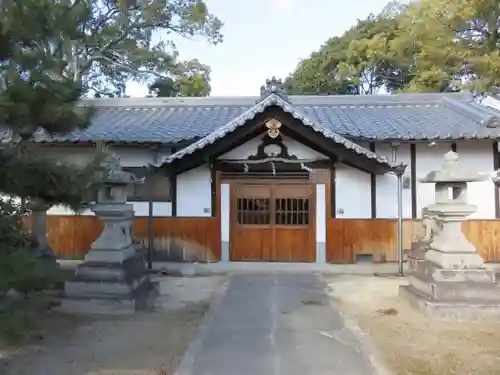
{"type": "Point", "coordinates": [249, 114]}
{"type": "Point", "coordinates": [377, 117]}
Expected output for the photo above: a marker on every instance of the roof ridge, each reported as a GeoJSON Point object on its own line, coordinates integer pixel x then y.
{"type": "Point", "coordinates": [169, 102]}
{"type": "Point", "coordinates": [300, 100]}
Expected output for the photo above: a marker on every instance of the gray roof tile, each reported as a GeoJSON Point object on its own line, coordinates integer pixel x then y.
{"type": "Point", "coordinates": [378, 117]}
{"type": "Point", "coordinates": [155, 124]}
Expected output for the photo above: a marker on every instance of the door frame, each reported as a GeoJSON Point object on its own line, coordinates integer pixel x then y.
{"type": "Point", "coordinates": [311, 227]}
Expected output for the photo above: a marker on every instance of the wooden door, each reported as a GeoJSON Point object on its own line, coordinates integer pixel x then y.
{"type": "Point", "coordinates": [273, 222]}
{"type": "Point", "coordinates": [294, 223]}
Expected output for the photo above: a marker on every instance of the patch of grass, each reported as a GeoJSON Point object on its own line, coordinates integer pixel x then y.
{"type": "Point", "coordinates": [31, 317]}
{"type": "Point", "coordinates": [447, 364]}
{"type": "Point", "coordinates": [16, 322]}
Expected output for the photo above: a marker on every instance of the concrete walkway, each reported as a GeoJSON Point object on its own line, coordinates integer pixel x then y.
{"type": "Point", "coordinates": [274, 324]}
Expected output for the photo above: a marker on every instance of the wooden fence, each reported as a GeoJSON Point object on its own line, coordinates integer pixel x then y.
{"type": "Point", "coordinates": [173, 238]}
{"type": "Point", "coordinates": [346, 238]}
{"type": "Point", "coordinates": [199, 238]}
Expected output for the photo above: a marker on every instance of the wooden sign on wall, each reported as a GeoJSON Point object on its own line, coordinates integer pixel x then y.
{"type": "Point", "coordinates": [319, 176]}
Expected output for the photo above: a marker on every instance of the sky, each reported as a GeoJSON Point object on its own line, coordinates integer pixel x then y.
{"type": "Point", "coordinates": [265, 38]}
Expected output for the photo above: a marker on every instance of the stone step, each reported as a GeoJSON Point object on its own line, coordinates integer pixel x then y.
{"type": "Point", "coordinates": [455, 310]}
{"type": "Point", "coordinates": [93, 288]}
{"type": "Point", "coordinates": [95, 305]}
{"type": "Point", "coordinates": [456, 291]}
{"type": "Point", "coordinates": [130, 269]}
{"type": "Point", "coordinates": [142, 298]}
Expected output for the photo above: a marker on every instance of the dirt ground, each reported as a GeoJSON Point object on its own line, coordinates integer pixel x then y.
{"type": "Point", "coordinates": [147, 343]}
{"type": "Point", "coordinates": [407, 341]}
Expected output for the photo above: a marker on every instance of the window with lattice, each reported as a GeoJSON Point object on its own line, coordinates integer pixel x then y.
{"type": "Point", "coordinates": [292, 211]}
{"type": "Point", "coordinates": [160, 189]}
{"type": "Point", "coordinates": [253, 211]}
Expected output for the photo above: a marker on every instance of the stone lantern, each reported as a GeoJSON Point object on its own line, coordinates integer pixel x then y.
{"type": "Point", "coordinates": [452, 279]}
{"type": "Point", "coordinates": [115, 242]}
{"type": "Point", "coordinates": [112, 279]}
{"type": "Point", "coordinates": [450, 248]}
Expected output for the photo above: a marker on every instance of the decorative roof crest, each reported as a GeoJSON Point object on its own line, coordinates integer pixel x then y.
{"type": "Point", "coordinates": [273, 86]}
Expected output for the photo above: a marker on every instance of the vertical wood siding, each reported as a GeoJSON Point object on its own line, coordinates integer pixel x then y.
{"type": "Point", "coordinates": [346, 239]}
{"type": "Point", "coordinates": [181, 239]}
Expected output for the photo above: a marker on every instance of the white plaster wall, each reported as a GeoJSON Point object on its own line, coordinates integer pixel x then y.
{"type": "Point", "coordinates": [427, 159]}
{"type": "Point", "coordinates": [387, 188]}
{"type": "Point", "coordinates": [353, 186]}
{"type": "Point", "coordinates": [478, 155]}
{"type": "Point", "coordinates": [225, 201]}
{"type": "Point", "coordinates": [140, 209]}
{"type": "Point", "coordinates": [352, 193]}
{"type": "Point", "coordinates": [194, 197]}
{"type": "Point", "coordinates": [129, 157]}
{"type": "Point", "coordinates": [320, 213]}
{"type": "Point", "coordinates": [250, 148]}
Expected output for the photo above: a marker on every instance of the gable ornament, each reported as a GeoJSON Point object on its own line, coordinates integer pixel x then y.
{"type": "Point", "coordinates": [273, 128]}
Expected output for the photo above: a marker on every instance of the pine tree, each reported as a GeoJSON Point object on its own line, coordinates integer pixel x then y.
{"type": "Point", "coordinates": [36, 100]}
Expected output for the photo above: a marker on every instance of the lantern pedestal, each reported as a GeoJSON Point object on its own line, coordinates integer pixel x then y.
{"type": "Point", "coordinates": [110, 288]}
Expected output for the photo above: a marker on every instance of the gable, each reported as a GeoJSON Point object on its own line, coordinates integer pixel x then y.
{"type": "Point", "coordinates": [294, 148]}
{"type": "Point", "coordinates": [276, 114]}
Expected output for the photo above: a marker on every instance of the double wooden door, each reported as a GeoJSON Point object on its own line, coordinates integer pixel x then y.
{"type": "Point", "coordinates": [273, 222]}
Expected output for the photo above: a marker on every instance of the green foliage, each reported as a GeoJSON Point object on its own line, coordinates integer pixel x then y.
{"type": "Point", "coordinates": [19, 268]}
{"type": "Point", "coordinates": [188, 78]}
{"type": "Point", "coordinates": [33, 92]}
{"type": "Point", "coordinates": [24, 272]}
{"type": "Point", "coordinates": [358, 62]}
{"type": "Point", "coordinates": [164, 87]}
{"type": "Point", "coordinates": [16, 321]}
{"type": "Point", "coordinates": [29, 173]}
{"type": "Point", "coordinates": [23, 319]}
{"type": "Point", "coordinates": [12, 230]}
{"type": "Point", "coordinates": [41, 102]}
{"type": "Point", "coordinates": [428, 46]}
{"type": "Point", "coordinates": [452, 41]}
{"type": "Point", "coordinates": [102, 44]}
{"type": "Point", "coordinates": [36, 95]}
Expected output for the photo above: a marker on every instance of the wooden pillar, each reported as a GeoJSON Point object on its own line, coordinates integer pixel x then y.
{"type": "Point", "coordinates": [413, 180]}
{"type": "Point", "coordinates": [373, 188]}
{"type": "Point", "coordinates": [496, 166]}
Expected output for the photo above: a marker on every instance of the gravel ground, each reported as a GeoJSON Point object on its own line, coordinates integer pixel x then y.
{"type": "Point", "coordinates": [411, 343]}
{"type": "Point", "coordinates": [151, 342]}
